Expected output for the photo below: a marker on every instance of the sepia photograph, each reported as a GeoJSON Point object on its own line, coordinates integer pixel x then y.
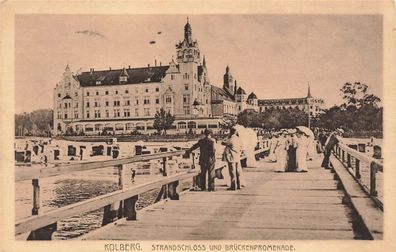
{"type": "Point", "coordinates": [185, 126]}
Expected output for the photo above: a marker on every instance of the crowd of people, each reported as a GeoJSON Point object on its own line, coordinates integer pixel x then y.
{"type": "Point", "coordinates": [289, 148]}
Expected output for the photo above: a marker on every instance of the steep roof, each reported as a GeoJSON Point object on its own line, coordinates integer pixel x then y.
{"type": "Point", "coordinates": [111, 77]}
{"type": "Point", "coordinates": [252, 96]}
{"type": "Point", "coordinates": [66, 97]}
{"type": "Point", "coordinates": [220, 94]}
{"type": "Point", "coordinates": [240, 91]}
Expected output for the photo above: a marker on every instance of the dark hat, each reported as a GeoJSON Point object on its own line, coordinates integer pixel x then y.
{"type": "Point", "coordinates": [207, 132]}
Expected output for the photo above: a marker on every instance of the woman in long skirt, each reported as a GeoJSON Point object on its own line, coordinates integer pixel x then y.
{"type": "Point", "coordinates": [301, 152]}
{"type": "Point", "coordinates": [311, 149]}
{"type": "Point", "coordinates": [291, 153]}
{"type": "Point", "coordinates": [281, 153]}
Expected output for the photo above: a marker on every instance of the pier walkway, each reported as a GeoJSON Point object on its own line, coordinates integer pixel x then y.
{"type": "Point", "coordinates": [272, 206]}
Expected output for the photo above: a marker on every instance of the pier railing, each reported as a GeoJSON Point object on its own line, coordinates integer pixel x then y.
{"type": "Point", "coordinates": [367, 171]}
{"type": "Point", "coordinates": [42, 225]}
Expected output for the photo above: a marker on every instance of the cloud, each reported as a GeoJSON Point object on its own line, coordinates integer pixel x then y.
{"type": "Point", "coordinates": [91, 33]}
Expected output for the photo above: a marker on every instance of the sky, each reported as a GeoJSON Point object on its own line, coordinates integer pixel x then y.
{"type": "Point", "coordinates": [273, 55]}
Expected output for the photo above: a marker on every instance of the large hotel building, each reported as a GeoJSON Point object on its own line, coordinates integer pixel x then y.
{"type": "Point", "coordinates": [123, 100]}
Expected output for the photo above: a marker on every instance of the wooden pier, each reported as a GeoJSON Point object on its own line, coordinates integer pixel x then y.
{"type": "Point", "coordinates": [340, 203]}
{"type": "Point", "coordinates": [271, 206]}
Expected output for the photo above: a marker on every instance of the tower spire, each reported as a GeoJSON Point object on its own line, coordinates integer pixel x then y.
{"type": "Point", "coordinates": [309, 91]}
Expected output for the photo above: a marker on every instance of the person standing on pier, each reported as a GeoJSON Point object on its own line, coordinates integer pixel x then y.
{"type": "Point", "coordinates": [291, 151]}
{"type": "Point", "coordinates": [301, 151]}
{"type": "Point", "coordinates": [207, 159]}
{"type": "Point", "coordinates": [232, 155]}
{"type": "Point", "coordinates": [281, 152]}
{"type": "Point", "coordinates": [331, 141]}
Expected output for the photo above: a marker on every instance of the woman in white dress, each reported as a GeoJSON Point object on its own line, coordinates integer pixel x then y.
{"type": "Point", "coordinates": [281, 153]}
{"type": "Point", "coordinates": [301, 152]}
{"type": "Point", "coordinates": [311, 147]}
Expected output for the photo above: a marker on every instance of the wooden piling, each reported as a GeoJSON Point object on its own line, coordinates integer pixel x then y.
{"type": "Point", "coordinates": [36, 197]}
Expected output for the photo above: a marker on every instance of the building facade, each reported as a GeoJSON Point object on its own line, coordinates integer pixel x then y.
{"type": "Point", "coordinates": [127, 99]}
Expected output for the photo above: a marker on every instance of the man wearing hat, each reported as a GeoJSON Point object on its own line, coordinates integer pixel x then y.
{"type": "Point", "coordinates": [331, 141]}
{"type": "Point", "coordinates": [207, 160]}
{"type": "Point", "coordinates": [232, 155]}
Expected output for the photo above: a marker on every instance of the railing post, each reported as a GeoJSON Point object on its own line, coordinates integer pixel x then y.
{"type": "Point", "coordinates": [44, 233]}
{"type": "Point", "coordinates": [357, 168]}
{"type": "Point", "coordinates": [349, 160]}
{"type": "Point", "coordinates": [164, 171]}
{"type": "Point", "coordinates": [130, 208]}
{"type": "Point", "coordinates": [343, 156]}
{"type": "Point", "coordinates": [36, 197]}
{"type": "Point", "coordinates": [172, 190]}
{"type": "Point", "coordinates": [113, 211]}
{"type": "Point", "coordinates": [373, 178]}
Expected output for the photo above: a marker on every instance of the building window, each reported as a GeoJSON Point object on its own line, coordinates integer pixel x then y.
{"type": "Point", "coordinates": [65, 105]}
{"type": "Point", "coordinates": [168, 99]}
{"type": "Point", "coordinates": [59, 115]}
{"type": "Point", "coordinates": [97, 92]}
{"type": "Point", "coordinates": [146, 112]}
{"type": "Point", "coordinates": [87, 114]}
{"type": "Point", "coordinates": [106, 92]}
{"type": "Point", "coordinates": [157, 100]}
{"type": "Point", "coordinates": [65, 115]}
{"type": "Point", "coordinates": [146, 100]}
{"type": "Point", "coordinates": [186, 87]}
{"type": "Point", "coordinates": [116, 103]}
{"type": "Point", "coordinates": [186, 110]}
{"type": "Point", "coordinates": [127, 113]}
{"type": "Point", "coordinates": [75, 94]}
{"type": "Point", "coordinates": [75, 114]}
{"type": "Point", "coordinates": [87, 104]}
{"type": "Point", "coordinates": [97, 113]}
{"type": "Point", "coordinates": [137, 102]}
{"type": "Point", "coordinates": [59, 95]}
{"type": "Point", "coordinates": [98, 82]}
{"type": "Point", "coordinates": [136, 112]}
{"type": "Point", "coordinates": [117, 113]}
{"type": "Point", "coordinates": [147, 90]}
{"type": "Point", "coordinates": [107, 113]}
{"type": "Point", "coordinates": [172, 77]}
{"type": "Point", "coordinates": [186, 99]}
{"type": "Point", "coordinates": [116, 92]}
{"type": "Point", "coordinates": [87, 93]}
{"type": "Point", "coordinates": [97, 104]}
{"type": "Point", "coordinates": [157, 89]}
{"type": "Point", "coordinates": [127, 102]}
{"type": "Point", "coordinates": [107, 103]}
{"type": "Point", "coordinates": [123, 78]}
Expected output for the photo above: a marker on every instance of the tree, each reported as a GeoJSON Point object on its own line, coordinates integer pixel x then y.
{"type": "Point", "coordinates": [355, 95]}
{"type": "Point", "coordinates": [163, 121]}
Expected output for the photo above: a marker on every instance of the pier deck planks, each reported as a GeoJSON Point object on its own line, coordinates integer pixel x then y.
{"type": "Point", "coordinates": [272, 206]}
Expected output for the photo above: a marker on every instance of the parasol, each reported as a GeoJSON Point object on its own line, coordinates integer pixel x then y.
{"type": "Point", "coordinates": [306, 131]}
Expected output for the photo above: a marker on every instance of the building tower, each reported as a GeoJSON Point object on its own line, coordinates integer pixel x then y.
{"type": "Point", "coordinates": [194, 80]}
{"type": "Point", "coordinates": [228, 83]}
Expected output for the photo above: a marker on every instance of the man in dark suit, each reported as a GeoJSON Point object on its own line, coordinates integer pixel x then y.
{"type": "Point", "coordinates": [207, 160]}
{"type": "Point", "coordinates": [331, 141]}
